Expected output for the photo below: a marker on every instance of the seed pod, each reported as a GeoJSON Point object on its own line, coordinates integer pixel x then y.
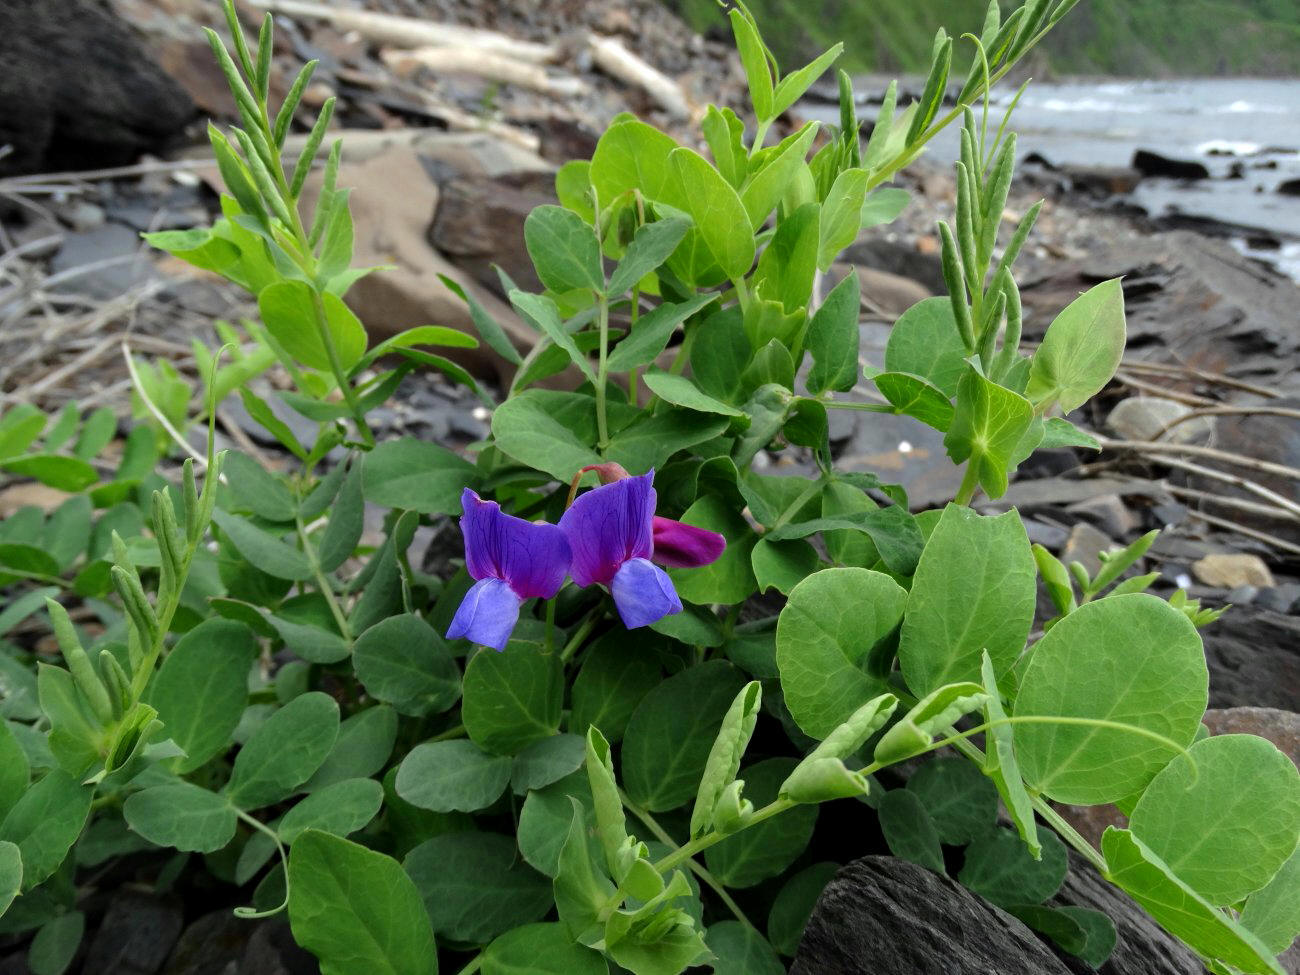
{"type": "Point", "coordinates": [952, 276]}
{"type": "Point", "coordinates": [136, 603]}
{"type": "Point", "coordinates": [117, 681]}
{"type": "Point", "coordinates": [83, 673]}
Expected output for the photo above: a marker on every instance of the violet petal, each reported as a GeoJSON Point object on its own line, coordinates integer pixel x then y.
{"type": "Point", "coordinates": [643, 593]}
{"type": "Point", "coordinates": [685, 546]}
{"type": "Point", "coordinates": [609, 525]}
{"type": "Point", "coordinates": [532, 558]}
{"type": "Point", "coordinates": [487, 615]}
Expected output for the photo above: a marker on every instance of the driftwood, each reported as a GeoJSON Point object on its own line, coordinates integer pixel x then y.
{"type": "Point", "coordinates": [483, 64]}
{"type": "Point", "coordinates": [615, 60]}
{"type": "Point", "coordinates": [412, 32]}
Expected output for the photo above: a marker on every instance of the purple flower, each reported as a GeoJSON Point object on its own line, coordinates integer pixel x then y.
{"type": "Point", "coordinates": [611, 535]}
{"type": "Point", "coordinates": [685, 546]}
{"type": "Point", "coordinates": [512, 560]}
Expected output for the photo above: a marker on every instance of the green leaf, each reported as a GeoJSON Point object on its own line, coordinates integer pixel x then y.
{"type": "Point", "coordinates": [631, 156]}
{"type": "Point", "coordinates": [765, 187]}
{"type": "Point", "coordinates": [67, 532]}
{"type": "Point", "coordinates": [952, 618]}
{"type": "Point", "coordinates": [823, 637]}
{"type": "Point", "coordinates": [909, 829]}
{"type": "Point", "coordinates": [404, 662]}
{"type": "Point", "coordinates": [618, 670]}
{"type": "Point", "coordinates": [56, 944]}
{"type": "Point", "coordinates": [1178, 908]}
{"type": "Point", "coordinates": [961, 801]}
{"type": "Point", "coordinates": [550, 431]}
{"type": "Point", "coordinates": [652, 439]}
{"type": "Point", "coordinates": [796, 83]}
{"type": "Point", "coordinates": [347, 519]}
{"type": "Point", "coordinates": [45, 822]}
{"type": "Point", "coordinates": [650, 247]}
{"type": "Point", "coordinates": [1000, 763]}
{"type": "Point", "coordinates": [650, 337]}
{"type": "Point", "coordinates": [731, 578]}
{"type": "Point", "coordinates": [1085, 933]}
{"type": "Point", "coordinates": [930, 716]}
{"type": "Point", "coordinates": [833, 339]}
{"type": "Point", "coordinates": [340, 808]}
{"type": "Point", "coordinates": [96, 433]}
{"type": "Point", "coordinates": [725, 134]}
{"type": "Point", "coordinates": [489, 329]}
{"type": "Point", "coordinates": [783, 565]}
{"type": "Point", "coordinates": [1058, 432]}
{"type": "Point", "coordinates": [541, 949]}
{"type": "Point", "coordinates": [1195, 819]}
{"type": "Point", "coordinates": [474, 886]}
{"type": "Point", "coordinates": [721, 354]}
{"type": "Point", "coordinates": [11, 874]}
{"type": "Point", "coordinates": [841, 215]}
{"type": "Point", "coordinates": [794, 905]}
{"type": "Point", "coordinates": [671, 733]}
{"type": "Point", "coordinates": [697, 188]}
{"type": "Point", "coordinates": [883, 206]}
{"type": "Point", "coordinates": [418, 476]}
{"type": "Point", "coordinates": [257, 489]}
{"type": "Point", "coordinates": [1271, 913]}
{"type": "Point", "coordinates": [987, 427]}
{"type": "Point", "coordinates": [263, 549]}
{"type": "Point", "coordinates": [546, 761]}
{"type": "Point", "coordinates": [261, 412]}
{"type": "Point", "coordinates": [540, 311]}
{"type": "Point", "coordinates": [1134, 660]}
{"type": "Point", "coordinates": [545, 817]}
{"type": "Point", "coordinates": [15, 770]}
{"type": "Point", "coordinates": [62, 473]}
{"type": "Point", "coordinates": [185, 816]}
{"type": "Point", "coordinates": [21, 558]}
{"type": "Point", "coordinates": [756, 853]}
{"type": "Point", "coordinates": [783, 282]}
{"type": "Point", "coordinates": [289, 310]}
{"type": "Point", "coordinates": [580, 890]}
{"type": "Point", "coordinates": [725, 755]}
{"type": "Point", "coordinates": [362, 748]}
{"type": "Point", "coordinates": [19, 429]}
{"type": "Point", "coordinates": [740, 950]}
{"type": "Point", "coordinates": [916, 397]}
{"type": "Point", "coordinates": [680, 391]}
{"type": "Point", "coordinates": [1000, 868]}
{"type": "Point", "coordinates": [1081, 349]}
{"type": "Point", "coordinates": [448, 776]}
{"type": "Point", "coordinates": [512, 699]}
{"type": "Point", "coordinates": [925, 342]}
{"type": "Point", "coordinates": [283, 752]}
{"type": "Point", "coordinates": [356, 910]}
{"type": "Point", "coordinates": [754, 58]}
{"type": "Point", "coordinates": [202, 689]}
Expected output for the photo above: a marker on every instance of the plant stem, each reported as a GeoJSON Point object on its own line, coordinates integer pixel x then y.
{"type": "Point", "coordinates": [457, 731]}
{"type": "Point", "coordinates": [575, 641]}
{"type": "Point", "coordinates": [474, 965]}
{"type": "Point", "coordinates": [969, 483]}
{"type": "Point", "coordinates": [602, 373]}
{"type": "Point", "coordinates": [550, 624]}
{"type": "Point", "coordinates": [634, 313]}
{"type": "Point", "coordinates": [323, 583]}
{"type": "Point", "coordinates": [701, 843]}
{"type": "Point", "coordinates": [804, 496]}
{"type": "Point", "coordinates": [249, 913]}
{"type": "Point", "coordinates": [663, 837]}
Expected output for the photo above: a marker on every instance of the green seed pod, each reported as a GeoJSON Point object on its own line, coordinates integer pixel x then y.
{"type": "Point", "coordinates": [118, 682]}
{"type": "Point", "coordinates": [952, 276]}
{"type": "Point", "coordinates": [83, 672]}
{"type": "Point", "coordinates": [136, 603]}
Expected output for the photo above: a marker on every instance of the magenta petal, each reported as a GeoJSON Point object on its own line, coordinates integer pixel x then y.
{"type": "Point", "coordinates": [685, 546]}
{"type": "Point", "coordinates": [609, 525]}
{"type": "Point", "coordinates": [533, 559]}
{"type": "Point", "coordinates": [643, 594]}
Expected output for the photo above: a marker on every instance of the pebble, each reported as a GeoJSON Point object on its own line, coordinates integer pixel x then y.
{"type": "Point", "coordinates": [1280, 599]}
{"type": "Point", "coordinates": [1226, 570]}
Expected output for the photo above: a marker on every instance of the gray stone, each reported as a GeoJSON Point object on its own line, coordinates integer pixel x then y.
{"type": "Point", "coordinates": [1281, 599]}
{"type": "Point", "coordinates": [1242, 595]}
{"type": "Point", "coordinates": [1280, 727]}
{"type": "Point", "coordinates": [1084, 545]}
{"type": "Point", "coordinates": [1147, 417]}
{"type": "Point", "coordinates": [1254, 659]}
{"type": "Point", "coordinates": [1108, 513]}
{"type": "Point", "coordinates": [136, 935]}
{"type": "Point", "coordinates": [103, 263]}
{"type": "Point", "coordinates": [212, 945]}
{"type": "Point", "coordinates": [885, 916]}
{"type": "Point", "coordinates": [1047, 534]}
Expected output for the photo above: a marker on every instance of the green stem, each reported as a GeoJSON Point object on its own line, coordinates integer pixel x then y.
{"type": "Point", "coordinates": [583, 631]}
{"type": "Point", "coordinates": [248, 913]}
{"type": "Point", "coordinates": [634, 313]}
{"type": "Point", "coordinates": [474, 965]}
{"type": "Point", "coordinates": [804, 496]}
{"type": "Point", "coordinates": [969, 484]}
{"type": "Point", "coordinates": [456, 731]}
{"type": "Point", "coordinates": [760, 136]}
{"type": "Point", "coordinates": [323, 583]}
{"type": "Point", "coordinates": [550, 624]}
{"type": "Point", "coordinates": [602, 373]}
{"type": "Point", "coordinates": [701, 843]}
{"type": "Point", "coordinates": [662, 836]}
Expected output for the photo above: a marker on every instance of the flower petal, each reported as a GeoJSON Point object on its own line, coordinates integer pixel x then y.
{"type": "Point", "coordinates": [643, 593]}
{"type": "Point", "coordinates": [486, 615]}
{"type": "Point", "coordinates": [609, 525]}
{"type": "Point", "coordinates": [533, 558]}
{"type": "Point", "coordinates": [685, 546]}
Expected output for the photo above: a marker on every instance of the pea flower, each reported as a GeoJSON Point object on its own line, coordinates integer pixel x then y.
{"type": "Point", "coordinates": [512, 560]}
{"type": "Point", "coordinates": [613, 534]}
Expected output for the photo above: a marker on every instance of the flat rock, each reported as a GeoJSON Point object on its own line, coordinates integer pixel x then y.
{"type": "Point", "coordinates": [885, 916]}
{"type": "Point", "coordinates": [1085, 544]}
{"type": "Point", "coordinates": [1228, 570]}
{"type": "Point", "coordinates": [1254, 659]}
{"type": "Point", "coordinates": [1148, 418]}
{"type": "Point", "coordinates": [1280, 727]}
{"type": "Point", "coordinates": [136, 935]}
{"type": "Point", "coordinates": [1150, 163]}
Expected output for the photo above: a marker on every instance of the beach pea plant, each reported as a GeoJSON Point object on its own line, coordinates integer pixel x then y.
{"type": "Point", "coordinates": [643, 719]}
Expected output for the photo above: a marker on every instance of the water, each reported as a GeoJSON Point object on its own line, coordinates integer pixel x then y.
{"type": "Point", "coordinates": [1252, 125]}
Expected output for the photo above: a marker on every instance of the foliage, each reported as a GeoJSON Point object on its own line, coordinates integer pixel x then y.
{"type": "Point", "coordinates": [244, 676]}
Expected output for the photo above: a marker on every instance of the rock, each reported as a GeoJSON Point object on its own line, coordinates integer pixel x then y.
{"type": "Point", "coordinates": [1227, 570]}
{"type": "Point", "coordinates": [1142, 947]}
{"type": "Point", "coordinates": [112, 257]}
{"type": "Point", "coordinates": [480, 225]}
{"type": "Point", "coordinates": [1254, 659]}
{"type": "Point", "coordinates": [885, 916]}
{"type": "Point", "coordinates": [1108, 513]}
{"type": "Point", "coordinates": [1280, 727]}
{"type": "Point", "coordinates": [212, 945]}
{"type": "Point", "coordinates": [1290, 187]}
{"type": "Point", "coordinates": [883, 293]}
{"type": "Point", "coordinates": [1242, 595]}
{"type": "Point", "coordinates": [874, 250]}
{"type": "Point", "coordinates": [1264, 437]}
{"type": "Point", "coordinates": [1045, 533]}
{"type": "Point", "coordinates": [1147, 417]}
{"type": "Point", "coordinates": [1101, 181]}
{"type": "Point", "coordinates": [1091, 821]}
{"type": "Point", "coordinates": [136, 935]}
{"type": "Point", "coordinates": [393, 205]}
{"type": "Point", "coordinates": [1153, 164]}
{"type": "Point", "coordinates": [1084, 544]}
{"type": "Point", "coordinates": [1280, 599]}
{"type": "Point", "coordinates": [272, 951]}
{"type": "Point", "coordinates": [61, 109]}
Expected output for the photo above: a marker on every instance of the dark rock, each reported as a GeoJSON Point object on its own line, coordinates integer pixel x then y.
{"type": "Point", "coordinates": [136, 935]}
{"type": "Point", "coordinates": [1108, 513]}
{"type": "Point", "coordinates": [1085, 546]}
{"type": "Point", "coordinates": [272, 951]}
{"type": "Point", "coordinates": [212, 945]}
{"type": "Point", "coordinates": [1282, 728]}
{"type": "Point", "coordinates": [78, 91]}
{"type": "Point", "coordinates": [1242, 595]}
{"type": "Point", "coordinates": [1290, 187]}
{"type": "Point", "coordinates": [1280, 599]}
{"type": "Point", "coordinates": [113, 259]}
{"type": "Point", "coordinates": [1254, 659]}
{"type": "Point", "coordinates": [884, 916]}
{"type": "Point", "coordinates": [1047, 534]}
{"type": "Point", "coordinates": [874, 250]}
{"type": "Point", "coordinates": [1102, 181]}
{"type": "Point", "coordinates": [1142, 946]}
{"type": "Point", "coordinates": [1153, 164]}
